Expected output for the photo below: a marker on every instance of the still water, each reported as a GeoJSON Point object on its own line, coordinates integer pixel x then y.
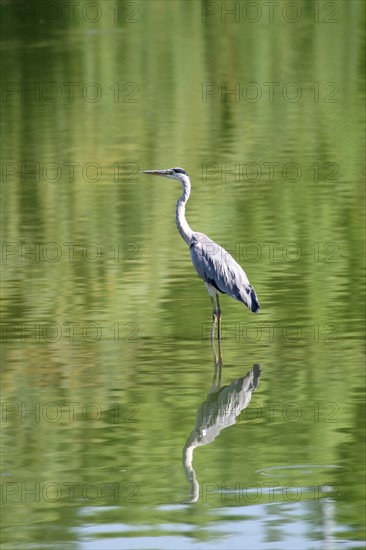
{"type": "Point", "coordinates": [112, 435]}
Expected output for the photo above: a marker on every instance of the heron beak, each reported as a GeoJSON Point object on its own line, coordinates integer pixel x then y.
{"type": "Point", "coordinates": [156, 172]}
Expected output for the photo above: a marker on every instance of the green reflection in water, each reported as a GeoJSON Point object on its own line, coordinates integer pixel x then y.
{"type": "Point", "coordinates": [101, 304]}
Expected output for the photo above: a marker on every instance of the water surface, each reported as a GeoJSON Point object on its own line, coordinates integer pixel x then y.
{"type": "Point", "coordinates": [107, 363]}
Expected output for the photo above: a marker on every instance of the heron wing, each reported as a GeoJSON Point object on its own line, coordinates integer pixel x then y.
{"type": "Point", "coordinates": [218, 268]}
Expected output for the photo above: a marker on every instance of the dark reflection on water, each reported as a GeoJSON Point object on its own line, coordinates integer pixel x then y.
{"type": "Point", "coordinates": [220, 410]}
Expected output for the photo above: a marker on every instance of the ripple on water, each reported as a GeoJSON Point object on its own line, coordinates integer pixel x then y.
{"type": "Point", "coordinates": [291, 471]}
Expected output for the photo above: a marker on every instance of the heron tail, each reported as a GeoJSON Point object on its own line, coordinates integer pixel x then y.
{"type": "Point", "coordinates": [249, 298]}
{"type": "Point", "coordinates": [254, 305]}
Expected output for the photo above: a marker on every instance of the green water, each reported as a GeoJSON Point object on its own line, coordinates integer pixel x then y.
{"type": "Point", "coordinates": [106, 358]}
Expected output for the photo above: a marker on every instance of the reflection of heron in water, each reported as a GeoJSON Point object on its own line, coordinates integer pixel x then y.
{"type": "Point", "coordinates": [218, 412]}
{"type": "Point", "coordinates": [218, 269]}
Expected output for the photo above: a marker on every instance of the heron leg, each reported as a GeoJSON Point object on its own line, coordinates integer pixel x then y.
{"type": "Point", "coordinates": [219, 333]}
{"type": "Point", "coordinates": [219, 318]}
{"type": "Point", "coordinates": [213, 329]}
{"type": "Point", "coordinates": [215, 386]}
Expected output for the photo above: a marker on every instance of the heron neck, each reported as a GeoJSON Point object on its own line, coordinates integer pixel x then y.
{"type": "Point", "coordinates": [180, 217]}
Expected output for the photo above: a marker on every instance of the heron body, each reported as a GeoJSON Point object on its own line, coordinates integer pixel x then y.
{"type": "Point", "coordinates": [218, 269]}
{"type": "Point", "coordinates": [220, 272]}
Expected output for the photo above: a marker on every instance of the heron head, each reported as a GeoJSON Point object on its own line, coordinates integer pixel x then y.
{"type": "Point", "coordinates": [173, 173]}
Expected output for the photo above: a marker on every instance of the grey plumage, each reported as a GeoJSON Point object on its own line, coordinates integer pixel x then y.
{"type": "Point", "coordinates": [218, 269]}
{"type": "Point", "coordinates": [221, 272]}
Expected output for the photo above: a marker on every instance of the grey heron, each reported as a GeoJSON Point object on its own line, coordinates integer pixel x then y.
{"type": "Point", "coordinates": [218, 269]}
